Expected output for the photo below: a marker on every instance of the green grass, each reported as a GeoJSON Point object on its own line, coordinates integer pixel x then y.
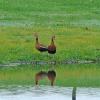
{"type": "Point", "coordinates": [72, 43]}
{"type": "Point", "coordinates": [69, 75]}
{"type": "Point", "coordinates": [67, 19]}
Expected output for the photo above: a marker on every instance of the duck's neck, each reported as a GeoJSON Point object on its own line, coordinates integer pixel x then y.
{"type": "Point", "coordinates": [52, 41]}
{"type": "Point", "coordinates": [37, 40]}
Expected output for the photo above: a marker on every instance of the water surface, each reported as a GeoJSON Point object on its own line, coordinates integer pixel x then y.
{"type": "Point", "coordinates": [48, 93]}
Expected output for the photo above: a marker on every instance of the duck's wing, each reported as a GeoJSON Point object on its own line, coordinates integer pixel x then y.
{"type": "Point", "coordinates": [42, 46]}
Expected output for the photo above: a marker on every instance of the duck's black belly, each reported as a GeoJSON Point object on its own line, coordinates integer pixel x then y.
{"type": "Point", "coordinates": [52, 51]}
{"type": "Point", "coordinates": [42, 49]}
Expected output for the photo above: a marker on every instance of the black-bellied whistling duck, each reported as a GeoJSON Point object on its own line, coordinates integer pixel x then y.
{"type": "Point", "coordinates": [52, 47]}
{"type": "Point", "coordinates": [40, 47]}
{"type": "Point", "coordinates": [42, 74]}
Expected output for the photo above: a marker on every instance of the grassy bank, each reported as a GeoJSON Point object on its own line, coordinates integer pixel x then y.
{"type": "Point", "coordinates": [69, 75]}
{"type": "Point", "coordinates": [72, 43]}
{"type": "Point", "coordinates": [76, 25]}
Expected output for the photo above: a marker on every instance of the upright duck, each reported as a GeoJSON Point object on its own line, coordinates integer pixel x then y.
{"type": "Point", "coordinates": [40, 47]}
{"type": "Point", "coordinates": [52, 47]}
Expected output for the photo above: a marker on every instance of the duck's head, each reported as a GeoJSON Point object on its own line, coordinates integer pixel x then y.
{"type": "Point", "coordinates": [36, 35]}
{"type": "Point", "coordinates": [53, 37]}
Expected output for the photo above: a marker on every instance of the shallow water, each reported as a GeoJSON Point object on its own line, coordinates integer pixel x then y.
{"type": "Point", "coordinates": [48, 93]}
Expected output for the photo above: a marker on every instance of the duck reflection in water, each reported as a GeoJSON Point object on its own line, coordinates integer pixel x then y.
{"type": "Point", "coordinates": [51, 74]}
{"type": "Point", "coordinates": [74, 93]}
